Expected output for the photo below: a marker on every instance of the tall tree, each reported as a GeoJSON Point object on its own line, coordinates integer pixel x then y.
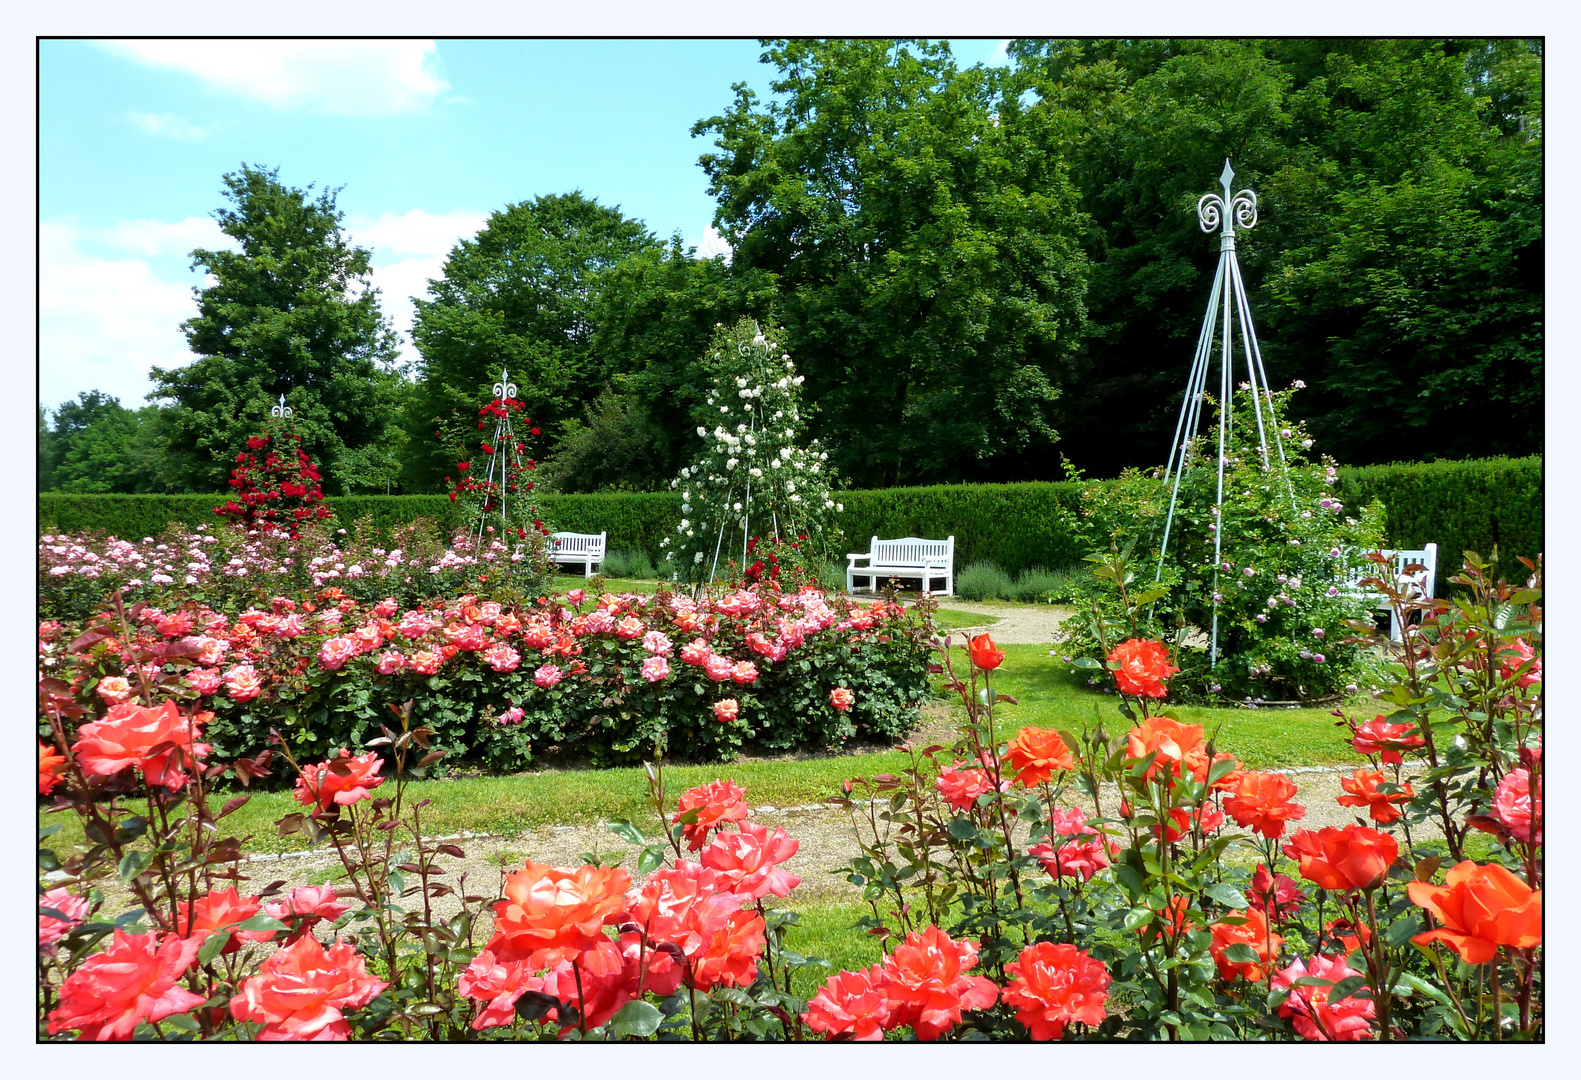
{"type": "Point", "coordinates": [100, 447]}
{"type": "Point", "coordinates": [520, 295]}
{"type": "Point", "coordinates": [923, 233]}
{"type": "Point", "coordinates": [292, 312]}
{"type": "Point", "coordinates": [1396, 267]}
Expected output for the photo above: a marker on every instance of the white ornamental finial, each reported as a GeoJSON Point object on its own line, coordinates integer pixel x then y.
{"type": "Point", "coordinates": [281, 411]}
{"type": "Point", "coordinates": [1228, 210]}
{"type": "Point", "coordinates": [504, 388]}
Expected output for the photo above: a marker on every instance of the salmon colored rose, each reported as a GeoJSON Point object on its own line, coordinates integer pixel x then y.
{"type": "Point", "coordinates": [841, 698]}
{"type": "Point", "coordinates": [1083, 852]}
{"type": "Point", "coordinates": [305, 907]}
{"type": "Point", "coordinates": [550, 914]}
{"type": "Point", "coordinates": [52, 928]}
{"type": "Point", "coordinates": [983, 653]}
{"type": "Point", "coordinates": [1054, 985]}
{"type": "Point", "coordinates": [717, 803]}
{"type": "Point", "coordinates": [135, 979]}
{"type": "Point", "coordinates": [50, 764]}
{"type": "Point", "coordinates": [1262, 802]}
{"type": "Point", "coordinates": [1277, 892]}
{"type": "Point", "coordinates": [851, 1004]}
{"type": "Point", "coordinates": [1253, 933]}
{"type": "Point", "coordinates": [1478, 909]}
{"type": "Point", "coordinates": [1378, 736]}
{"type": "Point", "coordinates": [926, 984]}
{"type": "Point", "coordinates": [300, 993]}
{"type": "Point", "coordinates": [1517, 806]}
{"type": "Point", "coordinates": [1354, 857]}
{"type": "Point", "coordinates": [1361, 789]}
{"type": "Point", "coordinates": [1036, 754]}
{"type": "Point", "coordinates": [1308, 1006]}
{"type": "Point", "coordinates": [1176, 745]}
{"type": "Point", "coordinates": [961, 786]}
{"type": "Point", "coordinates": [340, 781]}
{"type": "Point", "coordinates": [1141, 668]}
{"type": "Point", "coordinates": [221, 911]}
{"type": "Point", "coordinates": [1173, 919]}
{"type": "Point", "coordinates": [748, 861]}
{"type": "Point", "coordinates": [692, 908]}
{"type": "Point", "coordinates": [128, 732]}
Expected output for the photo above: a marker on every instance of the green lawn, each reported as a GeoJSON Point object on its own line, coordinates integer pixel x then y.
{"type": "Point", "coordinates": [1048, 696]}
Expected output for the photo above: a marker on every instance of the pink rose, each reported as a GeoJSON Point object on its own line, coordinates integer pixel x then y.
{"type": "Point", "coordinates": [744, 672]}
{"type": "Point", "coordinates": [655, 669]}
{"type": "Point", "coordinates": [726, 710]}
{"type": "Point", "coordinates": [841, 698]}
{"type": "Point", "coordinates": [425, 662]}
{"type": "Point", "coordinates": [656, 643]}
{"type": "Point", "coordinates": [243, 682]}
{"type": "Point", "coordinates": [204, 680]}
{"type": "Point", "coordinates": [336, 651]}
{"type": "Point", "coordinates": [696, 653]}
{"type": "Point", "coordinates": [390, 662]}
{"type": "Point", "coordinates": [502, 657]}
{"type": "Point", "coordinates": [547, 676]}
{"type": "Point", "coordinates": [628, 628]}
{"type": "Point", "coordinates": [114, 689]}
{"type": "Point", "coordinates": [718, 668]}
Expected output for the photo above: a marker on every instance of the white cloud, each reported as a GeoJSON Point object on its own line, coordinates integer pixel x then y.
{"type": "Point", "coordinates": [103, 322]}
{"type": "Point", "coordinates": [347, 78]}
{"type": "Point", "coordinates": [713, 244]}
{"type": "Point", "coordinates": [147, 236]}
{"type": "Point", "coordinates": [167, 124]}
{"type": "Point", "coordinates": [416, 232]}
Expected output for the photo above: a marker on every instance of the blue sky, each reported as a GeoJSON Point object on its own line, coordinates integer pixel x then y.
{"type": "Point", "coordinates": [426, 138]}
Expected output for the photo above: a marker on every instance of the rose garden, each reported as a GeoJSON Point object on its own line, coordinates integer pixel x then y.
{"type": "Point", "coordinates": [1075, 861]}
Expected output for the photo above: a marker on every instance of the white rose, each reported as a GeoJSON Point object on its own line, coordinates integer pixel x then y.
{"type": "Point", "coordinates": [795, 498]}
{"type": "Point", "coordinates": [785, 453]}
{"type": "Point", "coordinates": [840, 507]}
{"type": "Point", "coordinates": [741, 383]}
{"type": "Point", "coordinates": [702, 433]}
{"type": "Point", "coordinates": [756, 473]}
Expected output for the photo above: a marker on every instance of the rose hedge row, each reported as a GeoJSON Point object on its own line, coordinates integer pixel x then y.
{"type": "Point", "coordinates": [1458, 505]}
{"type": "Point", "coordinates": [499, 685]}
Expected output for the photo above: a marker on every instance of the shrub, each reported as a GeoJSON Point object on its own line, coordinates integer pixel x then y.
{"type": "Point", "coordinates": [983, 581]}
{"type": "Point", "coordinates": [1032, 584]}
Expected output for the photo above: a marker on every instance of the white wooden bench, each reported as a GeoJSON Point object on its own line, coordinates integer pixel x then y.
{"type": "Point", "coordinates": [1426, 557]}
{"type": "Point", "coordinates": [584, 548]}
{"type": "Point", "coordinates": [908, 557]}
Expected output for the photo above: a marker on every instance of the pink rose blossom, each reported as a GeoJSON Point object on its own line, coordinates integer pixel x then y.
{"type": "Point", "coordinates": [656, 643]}
{"type": "Point", "coordinates": [718, 668]}
{"type": "Point", "coordinates": [425, 662]}
{"type": "Point", "coordinates": [744, 672]}
{"type": "Point", "coordinates": [726, 710]}
{"type": "Point", "coordinates": [391, 661]}
{"type": "Point", "coordinates": [243, 682]}
{"type": "Point", "coordinates": [547, 676]}
{"type": "Point", "coordinates": [502, 657]}
{"type": "Point", "coordinates": [655, 669]}
{"type": "Point", "coordinates": [336, 651]}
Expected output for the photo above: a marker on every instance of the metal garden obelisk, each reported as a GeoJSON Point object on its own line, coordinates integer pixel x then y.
{"type": "Point", "coordinates": [1228, 316]}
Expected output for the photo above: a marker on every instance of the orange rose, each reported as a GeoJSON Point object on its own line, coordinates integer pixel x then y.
{"type": "Point", "coordinates": [984, 655]}
{"type": "Point", "coordinates": [1254, 934]}
{"type": "Point", "coordinates": [1481, 908]}
{"type": "Point", "coordinates": [717, 803]}
{"type": "Point", "coordinates": [49, 766]}
{"type": "Point", "coordinates": [342, 780]}
{"type": "Point", "coordinates": [1354, 857]}
{"type": "Point", "coordinates": [300, 994]}
{"type": "Point", "coordinates": [1261, 802]}
{"type": "Point", "coordinates": [1175, 744]}
{"type": "Point", "coordinates": [1362, 786]}
{"type": "Point", "coordinates": [1035, 754]}
{"type": "Point", "coordinates": [1141, 667]}
{"type": "Point", "coordinates": [123, 738]}
{"type": "Point", "coordinates": [551, 914]}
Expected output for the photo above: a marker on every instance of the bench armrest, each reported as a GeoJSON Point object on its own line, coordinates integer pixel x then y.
{"type": "Point", "coordinates": [868, 555]}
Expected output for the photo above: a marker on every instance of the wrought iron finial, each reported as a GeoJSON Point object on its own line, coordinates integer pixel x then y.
{"type": "Point", "coordinates": [504, 388]}
{"type": "Point", "coordinates": [1214, 210]}
{"type": "Point", "coordinates": [281, 411]}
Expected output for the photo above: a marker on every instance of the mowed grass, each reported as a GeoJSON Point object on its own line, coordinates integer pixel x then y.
{"type": "Point", "coordinates": [1048, 696]}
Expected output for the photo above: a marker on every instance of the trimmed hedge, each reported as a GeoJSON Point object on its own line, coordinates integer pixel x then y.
{"type": "Point", "coordinates": [1458, 505]}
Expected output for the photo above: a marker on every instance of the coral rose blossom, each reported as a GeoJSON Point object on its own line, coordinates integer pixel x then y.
{"type": "Point", "coordinates": [547, 676]}
{"type": "Point", "coordinates": [74, 909]}
{"type": "Point", "coordinates": [1362, 789]}
{"type": "Point", "coordinates": [718, 668]}
{"type": "Point", "coordinates": [424, 662]}
{"type": "Point", "coordinates": [1253, 933]}
{"type": "Point", "coordinates": [1378, 736]}
{"type": "Point", "coordinates": [1354, 857]}
{"type": "Point", "coordinates": [926, 985]}
{"type": "Point", "coordinates": [126, 734]}
{"type": "Point", "coordinates": [747, 861]}
{"type": "Point", "coordinates": [114, 689]}
{"type": "Point", "coordinates": [1084, 851]}
{"type": "Point", "coordinates": [1279, 892]}
{"type": "Point", "coordinates": [1518, 807]}
{"type": "Point", "coordinates": [342, 780]}
{"type": "Point", "coordinates": [498, 985]}
{"type": "Point", "coordinates": [221, 910]}
{"type": "Point", "coordinates": [688, 906]}
{"type": "Point", "coordinates": [1174, 743]}
{"type": "Point", "coordinates": [655, 669]}
{"type": "Point", "coordinates": [961, 786]}
{"type": "Point", "coordinates": [1308, 1007]}
{"type": "Point", "coordinates": [501, 657]}
{"type": "Point", "coordinates": [1480, 908]}
{"type": "Point", "coordinates": [336, 651]}
{"type": "Point", "coordinates": [726, 710]}
{"type": "Point", "coordinates": [300, 992]}
{"type": "Point", "coordinates": [1261, 802]}
{"type": "Point", "coordinates": [852, 1003]}
{"type": "Point", "coordinates": [550, 914]}
{"type": "Point", "coordinates": [1516, 655]}
{"type": "Point", "coordinates": [983, 653]}
{"type": "Point", "coordinates": [1054, 985]}
{"type": "Point", "coordinates": [716, 803]}
{"type": "Point", "coordinates": [841, 698]}
{"type": "Point", "coordinates": [243, 683]}
{"type": "Point", "coordinates": [306, 906]}
{"type": "Point", "coordinates": [1141, 668]}
{"type": "Point", "coordinates": [600, 997]}
{"type": "Point", "coordinates": [1036, 754]}
{"type": "Point", "coordinates": [49, 765]}
{"type": "Point", "coordinates": [133, 980]}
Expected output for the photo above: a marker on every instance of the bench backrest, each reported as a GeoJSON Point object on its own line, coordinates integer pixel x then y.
{"type": "Point", "coordinates": [570, 543]}
{"type": "Point", "coordinates": [912, 549]}
{"type": "Point", "coordinates": [1400, 559]}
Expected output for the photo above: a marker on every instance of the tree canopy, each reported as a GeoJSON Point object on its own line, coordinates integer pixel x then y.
{"type": "Point", "coordinates": [291, 312]}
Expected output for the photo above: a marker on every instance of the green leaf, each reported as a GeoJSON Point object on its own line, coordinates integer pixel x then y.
{"type": "Point", "coordinates": [1346, 987]}
{"type": "Point", "coordinates": [1241, 954]}
{"type": "Point", "coordinates": [1228, 895]}
{"type": "Point", "coordinates": [962, 829]}
{"type": "Point", "coordinates": [636, 1019]}
{"type": "Point", "coordinates": [134, 863]}
{"type": "Point", "coordinates": [1087, 663]}
{"type": "Point", "coordinates": [650, 860]}
{"type": "Point", "coordinates": [263, 922]}
{"type": "Point", "coordinates": [626, 831]}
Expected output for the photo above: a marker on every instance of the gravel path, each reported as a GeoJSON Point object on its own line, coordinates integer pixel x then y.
{"type": "Point", "coordinates": [1010, 624]}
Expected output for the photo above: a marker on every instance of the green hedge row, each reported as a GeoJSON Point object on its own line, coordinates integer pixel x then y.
{"type": "Point", "coordinates": [1458, 505]}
